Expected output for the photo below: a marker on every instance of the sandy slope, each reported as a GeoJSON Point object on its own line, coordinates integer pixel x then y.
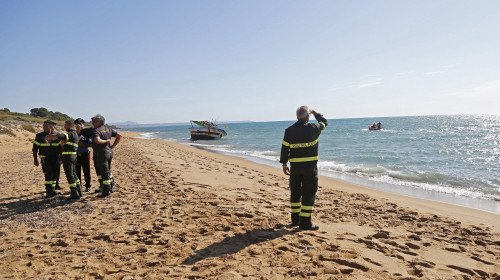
{"type": "Point", "coordinates": [180, 212]}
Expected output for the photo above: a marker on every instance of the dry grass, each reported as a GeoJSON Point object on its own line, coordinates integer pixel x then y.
{"type": "Point", "coordinates": [29, 127]}
{"type": "Point", "coordinates": [5, 130]}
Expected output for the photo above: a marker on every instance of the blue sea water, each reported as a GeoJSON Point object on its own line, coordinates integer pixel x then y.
{"type": "Point", "coordinates": [454, 159]}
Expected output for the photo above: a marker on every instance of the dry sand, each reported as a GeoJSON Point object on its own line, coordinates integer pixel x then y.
{"type": "Point", "coordinates": [181, 212]}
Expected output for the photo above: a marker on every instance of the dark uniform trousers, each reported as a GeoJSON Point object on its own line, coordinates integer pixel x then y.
{"type": "Point", "coordinates": [303, 188]}
{"type": "Point", "coordinates": [58, 172]}
{"type": "Point", "coordinates": [69, 165]}
{"type": "Point", "coordinates": [83, 162]}
{"type": "Point", "coordinates": [102, 161]}
{"type": "Point", "coordinates": [50, 167]}
{"type": "Point", "coordinates": [300, 147]}
{"type": "Point", "coordinates": [94, 158]}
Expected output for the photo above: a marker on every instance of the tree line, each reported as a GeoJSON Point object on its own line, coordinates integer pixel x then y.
{"type": "Point", "coordinates": [44, 113]}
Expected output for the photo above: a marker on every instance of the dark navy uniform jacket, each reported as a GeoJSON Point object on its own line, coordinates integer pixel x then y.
{"type": "Point", "coordinates": [45, 149]}
{"type": "Point", "coordinates": [301, 142]}
{"type": "Point", "coordinates": [83, 149]}
{"type": "Point", "coordinates": [71, 139]}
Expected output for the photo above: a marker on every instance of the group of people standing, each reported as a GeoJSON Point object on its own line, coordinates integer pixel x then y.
{"type": "Point", "coordinates": [71, 147]}
{"type": "Point", "coordinates": [299, 147]}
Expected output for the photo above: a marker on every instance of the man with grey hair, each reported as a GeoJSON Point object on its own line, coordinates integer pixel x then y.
{"type": "Point", "coordinates": [103, 152]}
{"type": "Point", "coordinates": [302, 112]}
{"type": "Point", "coordinates": [300, 147]}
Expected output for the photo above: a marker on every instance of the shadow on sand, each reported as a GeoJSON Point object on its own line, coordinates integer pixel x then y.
{"type": "Point", "coordinates": [13, 206]}
{"type": "Point", "coordinates": [234, 244]}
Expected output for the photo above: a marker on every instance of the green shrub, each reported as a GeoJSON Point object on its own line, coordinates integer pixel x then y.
{"type": "Point", "coordinates": [44, 113]}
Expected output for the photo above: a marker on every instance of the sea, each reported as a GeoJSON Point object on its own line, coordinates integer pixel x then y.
{"type": "Point", "coordinates": [453, 159]}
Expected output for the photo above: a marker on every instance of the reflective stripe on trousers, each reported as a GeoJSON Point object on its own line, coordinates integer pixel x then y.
{"type": "Point", "coordinates": [295, 207]}
{"type": "Point", "coordinates": [306, 211]}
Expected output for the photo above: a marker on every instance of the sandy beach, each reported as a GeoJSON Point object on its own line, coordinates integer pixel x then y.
{"type": "Point", "coordinates": [182, 212]}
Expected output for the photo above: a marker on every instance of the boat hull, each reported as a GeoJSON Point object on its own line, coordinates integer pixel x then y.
{"type": "Point", "coordinates": [204, 133]}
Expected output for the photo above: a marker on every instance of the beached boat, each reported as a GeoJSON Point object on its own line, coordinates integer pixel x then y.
{"type": "Point", "coordinates": [206, 130]}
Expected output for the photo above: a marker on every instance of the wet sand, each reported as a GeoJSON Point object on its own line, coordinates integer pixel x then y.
{"type": "Point", "coordinates": [181, 212]}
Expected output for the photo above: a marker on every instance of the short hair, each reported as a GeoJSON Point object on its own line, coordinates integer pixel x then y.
{"type": "Point", "coordinates": [70, 122]}
{"type": "Point", "coordinates": [79, 121]}
{"type": "Point", "coordinates": [49, 122]}
{"type": "Point", "coordinates": [302, 112]}
{"type": "Point", "coordinates": [99, 118]}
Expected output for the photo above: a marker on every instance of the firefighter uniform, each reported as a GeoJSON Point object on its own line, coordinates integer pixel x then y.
{"type": "Point", "coordinates": [87, 133]}
{"type": "Point", "coordinates": [69, 161]}
{"type": "Point", "coordinates": [83, 161]}
{"type": "Point", "coordinates": [103, 155]}
{"type": "Point", "coordinates": [300, 147]}
{"type": "Point", "coordinates": [49, 158]}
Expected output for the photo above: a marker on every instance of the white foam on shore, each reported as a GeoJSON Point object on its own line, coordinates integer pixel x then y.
{"type": "Point", "coordinates": [379, 174]}
{"type": "Point", "coordinates": [267, 155]}
{"type": "Point", "coordinates": [149, 135]}
{"type": "Point", "coordinates": [424, 181]}
{"type": "Point", "coordinates": [465, 192]}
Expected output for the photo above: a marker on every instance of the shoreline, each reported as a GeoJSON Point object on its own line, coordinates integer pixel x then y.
{"type": "Point", "coordinates": [486, 205]}
{"type": "Point", "coordinates": [492, 218]}
{"type": "Point", "coordinates": [182, 213]}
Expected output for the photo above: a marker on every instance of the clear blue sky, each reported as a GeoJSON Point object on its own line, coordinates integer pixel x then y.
{"type": "Point", "coordinates": [172, 61]}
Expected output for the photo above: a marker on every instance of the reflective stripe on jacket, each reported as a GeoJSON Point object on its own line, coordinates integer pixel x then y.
{"type": "Point", "coordinates": [45, 149]}
{"type": "Point", "coordinates": [301, 141]}
{"type": "Point", "coordinates": [71, 144]}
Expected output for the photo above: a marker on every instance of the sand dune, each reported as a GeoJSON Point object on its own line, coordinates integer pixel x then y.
{"type": "Point", "coordinates": [181, 212]}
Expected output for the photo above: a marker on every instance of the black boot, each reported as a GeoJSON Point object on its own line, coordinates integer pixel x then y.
{"type": "Point", "coordinates": [74, 194]}
{"type": "Point", "coordinates": [105, 191]}
{"type": "Point", "coordinates": [295, 219]}
{"type": "Point", "coordinates": [305, 224]}
{"type": "Point", "coordinates": [50, 191]}
{"type": "Point", "coordinates": [79, 190]}
{"type": "Point", "coordinates": [87, 188]}
{"type": "Point", "coordinates": [100, 187]}
{"type": "Point", "coordinates": [58, 187]}
{"type": "Point", "coordinates": [98, 190]}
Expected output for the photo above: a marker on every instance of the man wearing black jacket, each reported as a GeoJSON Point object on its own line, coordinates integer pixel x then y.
{"type": "Point", "coordinates": [300, 147]}
{"type": "Point", "coordinates": [83, 154]}
{"type": "Point", "coordinates": [69, 143]}
{"type": "Point", "coordinates": [49, 157]}
{"type": "Point", "coordinates": [103, 152]}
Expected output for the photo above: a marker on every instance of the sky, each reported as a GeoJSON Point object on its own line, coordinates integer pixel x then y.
{"type": "Point", "coordinates": [174, 61]}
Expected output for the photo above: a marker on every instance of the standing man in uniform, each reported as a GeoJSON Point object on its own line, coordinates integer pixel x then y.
{"type": "Point", "coordinates": [103, 152]}
{"type": "Point", "coordinates": [69, 143]}
{"type": "Point", "coordinates": [59, 160]}
{"type": "Point", "coordinates": [300, 147]}
{"type": "Point", "coordinates": [49, 157]}
{"type": "Point", "coordinates": [83, 154]}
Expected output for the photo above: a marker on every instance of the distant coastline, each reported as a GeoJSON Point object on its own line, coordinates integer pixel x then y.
{"type": "Point", "coordinates": [127, 125]}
